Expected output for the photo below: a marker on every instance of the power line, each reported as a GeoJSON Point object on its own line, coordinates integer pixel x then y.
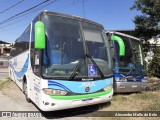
{"type": "Point", "coordinates": [12, 6]}
{"type": "Point", "coordinates": [84, 13]}
{"type": "Point", "coordinates": [10, 22]}
{"type": "Point", "coordinates": [69, 4]}
{"type": "Point", "coordinates": [64, 6]}
{"type": "Point", "coordinates": [25, 11]}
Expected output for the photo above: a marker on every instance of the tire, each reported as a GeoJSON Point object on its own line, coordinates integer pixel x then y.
{"type": "Point", "coordinates": [25, 90]}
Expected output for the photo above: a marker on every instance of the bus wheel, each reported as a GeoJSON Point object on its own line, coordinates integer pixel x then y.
{"type": "Point", "coordinates": [25, 90]}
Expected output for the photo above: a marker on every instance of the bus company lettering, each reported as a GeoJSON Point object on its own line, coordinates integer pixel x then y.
{"type": "Point", "coordinates": [87, 84]}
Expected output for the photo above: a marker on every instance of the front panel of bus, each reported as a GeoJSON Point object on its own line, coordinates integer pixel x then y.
{"type": "Point", "coordinates": [75, 65]}
{"type": "Point", "coordinates": [129, 70]}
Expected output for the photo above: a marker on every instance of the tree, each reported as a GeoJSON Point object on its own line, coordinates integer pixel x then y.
{"type": "Point", "coordinates": [154, 66]}
{"type": "Point", "coordinates": [147, 26]}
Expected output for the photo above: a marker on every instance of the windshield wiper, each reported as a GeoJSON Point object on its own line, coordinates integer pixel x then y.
{"type": "Point", "coordinates": [79, 65]}
{"type": "Point", "coordinates": [129, 67]}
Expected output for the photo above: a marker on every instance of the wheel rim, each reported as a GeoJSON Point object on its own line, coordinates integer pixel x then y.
{"type": "Point", "coordinates": [25, 88]}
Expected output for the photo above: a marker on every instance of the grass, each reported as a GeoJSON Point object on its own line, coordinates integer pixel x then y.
{"type": "Point", "coordinates": [4, 83]}
{"type": "Point", "coordinates": [136, 102]}
{"type": "Point", "coordinates": [145, 101]}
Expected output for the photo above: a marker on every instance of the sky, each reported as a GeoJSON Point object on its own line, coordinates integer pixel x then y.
{"type": "Point", "coordinates": [112, 14]}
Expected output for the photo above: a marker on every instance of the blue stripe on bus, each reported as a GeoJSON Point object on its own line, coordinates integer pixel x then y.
{"type": "Point", "coordinates": [20, 74]}
{"type": "Point", "coordinates": [134, 76]}
{"type": "Point", "coordinates": [80, 86]}
{"type": "Point", "coordinates": [53, 83]}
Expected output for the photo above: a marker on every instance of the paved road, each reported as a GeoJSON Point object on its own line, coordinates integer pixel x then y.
{"type": "Point", "coordinates": [13, 99]}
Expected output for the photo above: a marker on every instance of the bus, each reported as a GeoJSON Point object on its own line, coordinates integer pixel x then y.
{"type": "Point", "coordinates": [62, 61]}
{"type": "Point", "coordinates": [128, 67]}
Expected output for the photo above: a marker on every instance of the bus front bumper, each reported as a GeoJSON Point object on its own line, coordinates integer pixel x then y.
{"type": "Point", "coordinates": [50, 104]}
{"type": "Point", "coordinates": [124, 87]}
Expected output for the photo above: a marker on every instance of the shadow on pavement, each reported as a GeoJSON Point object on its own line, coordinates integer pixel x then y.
{"type": "Point", "coordinates": [87, 111]}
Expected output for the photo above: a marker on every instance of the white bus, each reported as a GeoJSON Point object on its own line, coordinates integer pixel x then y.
{"type": "Point", "coordinates": [62, 61]}
{"type": "Point", "coordinates": [129, 68]}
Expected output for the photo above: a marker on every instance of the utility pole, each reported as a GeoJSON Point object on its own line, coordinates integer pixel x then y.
{"type": "Point", "coordinates": [84, 13]}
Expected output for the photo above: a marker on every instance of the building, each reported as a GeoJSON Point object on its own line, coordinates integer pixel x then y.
{"type": "Point", "coordinates": [5, 48]}
{"type": "Point", "coordinates": [4, 53]}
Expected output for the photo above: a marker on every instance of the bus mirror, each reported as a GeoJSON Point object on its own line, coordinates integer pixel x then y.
{"type": "Point", "coordinates": [39, 35]}
{"type": "Point", "coordinates": [120, 43]}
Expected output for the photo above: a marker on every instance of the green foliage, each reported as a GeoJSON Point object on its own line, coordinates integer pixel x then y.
{"type": "Point", "coordinates": [154, 66]}
{"type": "Point", "coordinates": [147, 26]}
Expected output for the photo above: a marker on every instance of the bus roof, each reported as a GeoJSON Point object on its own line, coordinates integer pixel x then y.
{"type": "Point", "coordinates": [68, 16]}
{"type": "Point", "coordinates": [119, 33]}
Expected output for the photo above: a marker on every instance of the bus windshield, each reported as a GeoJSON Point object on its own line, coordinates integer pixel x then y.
{"type": "Point", "coordinates": [133, 56]}
{"type": "Point", "coordinates": [137, 51]}
{"type": "Point", "coordinates": [67, 40]}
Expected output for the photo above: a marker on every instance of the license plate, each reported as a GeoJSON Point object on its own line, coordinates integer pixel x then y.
{"type": "Point", "coordinates": [87, 101]}
{"type": "Point", "coordinates": [134, 86]}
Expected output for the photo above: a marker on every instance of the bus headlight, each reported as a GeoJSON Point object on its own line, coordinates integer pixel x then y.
{"type": "Point", "coordinates": [108, 87]}
{"type": "Point", "coordinates": [54, 92]}
{"type": "Point", "coordinates": [123, 79]}
{"type": "Point", "coordinates": [120, 79]}
{"type": "Point", "coordinates": [117, 79]}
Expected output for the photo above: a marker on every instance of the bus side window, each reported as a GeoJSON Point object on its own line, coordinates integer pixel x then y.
{"type": "Point", "coordinates": [12, 52]}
